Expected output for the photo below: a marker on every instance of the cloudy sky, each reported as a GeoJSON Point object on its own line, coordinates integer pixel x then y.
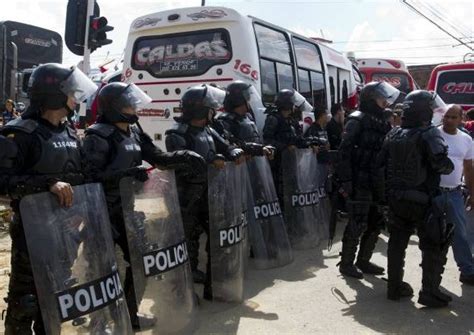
{"type": "Point", "coordinates": [376, 28]}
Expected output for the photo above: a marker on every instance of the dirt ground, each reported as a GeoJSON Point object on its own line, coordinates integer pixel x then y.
{"type": "Point", "coordinates": [309, 296]}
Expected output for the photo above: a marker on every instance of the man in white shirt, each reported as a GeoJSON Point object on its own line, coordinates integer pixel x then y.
{"type": "Point", "coordinates": [461, 153]}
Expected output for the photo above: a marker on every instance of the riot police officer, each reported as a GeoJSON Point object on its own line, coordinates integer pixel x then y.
{"type": "Point", "coordinates": [283, 131]}
{"type": "Point", "coordinates": [236, 123]}
{"type": "Point", "coordinates": [48, 158]}
{"type": "Point", "coordinates": [115, 147]}
{"type": "Point", "coordinates": [414, 156]}
{"type": "Point", "coordinates": [362, 181]}
{"type": "Point", "coordinates": [192, 132]}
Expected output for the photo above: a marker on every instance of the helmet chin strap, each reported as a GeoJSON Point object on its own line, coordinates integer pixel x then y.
{"type": "Point", "coordinates": [70, 111]}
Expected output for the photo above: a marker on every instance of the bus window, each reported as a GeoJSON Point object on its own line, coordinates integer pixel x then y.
{"type": "Point", "coordinates": [183, 54]}
{"type": "Point", "coordinates": [456, 87]}
{"type": "Point", "coordinates": [285, 76]}
{"type": "Point", "coordinates": [307, 55]}
{"type": "Point", "coordinates": [275, 61]}
{"type": "Point", "coordinates": [305, 85]}
{"type": "Point", "coordinates": [358, 77]}
{"type": "Point", "coordinates": [318, 88]}
{"type": "Point", "coordinates": [269, 82]}
{"type": "Point", "coordinates": [272, 44]}
{"type": "Point", "coordinates": [345, 93]}
{"type": "Point", "coordinates": [332, 90]}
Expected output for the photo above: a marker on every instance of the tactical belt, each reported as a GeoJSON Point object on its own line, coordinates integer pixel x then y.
{"type": "Point", "coordinates": [451, 189]}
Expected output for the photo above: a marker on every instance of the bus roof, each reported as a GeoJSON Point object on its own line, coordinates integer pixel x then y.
{"type": "Point", "coordinates": [382, 63]}
{"type": "Point", "coordinates": [184, 16]}
{"type": "Point", "coordinates": [454, 66]}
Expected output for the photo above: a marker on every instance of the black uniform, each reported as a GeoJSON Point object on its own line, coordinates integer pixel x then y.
{"type": "Point", "coordinates": [39, 144]}
{"type": "Point", "coordinates": [241, 131]}
{"type": "Point", "coordinates": [192, 190]}
{"type": "Point", "coordinates": [361, 142]}
{"type": "Point", "coordinates": [414, 156]}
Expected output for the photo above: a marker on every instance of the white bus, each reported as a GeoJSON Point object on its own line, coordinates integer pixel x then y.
{"type": "Point", "coordinates": [169, 51]}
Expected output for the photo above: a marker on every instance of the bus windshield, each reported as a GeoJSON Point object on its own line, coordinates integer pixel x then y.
{"type": "Point", "coordinates": [183, 54]}
{"type": "Point", "coordinates": [456, 87]}
{"type": "Point", "coordinates": [398, 80]}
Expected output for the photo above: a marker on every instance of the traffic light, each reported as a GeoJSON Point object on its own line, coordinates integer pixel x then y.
{"type": "Point", "coordinates": [98, 32]}
{"type": "Point", "coordinates": [76, 18]}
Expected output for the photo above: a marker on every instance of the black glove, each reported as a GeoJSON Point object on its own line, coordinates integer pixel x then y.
{"type": "Point", "coordinates": [139, 173]}
{"type": "Point", "coordinates": [235, 154]}
{"type": "Point", "coordinates": [194, 162]}
{"type": "Point", "coordinates": [253, 149]}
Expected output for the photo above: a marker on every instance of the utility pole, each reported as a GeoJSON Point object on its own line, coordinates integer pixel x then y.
{"type": "Point", "coordinates": [86, 62]}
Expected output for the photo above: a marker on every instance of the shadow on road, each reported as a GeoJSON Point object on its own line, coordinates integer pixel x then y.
{"type": "Point", "coordinates": [220, 318]}
{"type": "Point", "coordinates": [371, 309]}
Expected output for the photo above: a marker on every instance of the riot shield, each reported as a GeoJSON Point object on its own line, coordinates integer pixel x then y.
{"type": "Point", "coordinates": [324, 202]}
{"type": "Point", "coordinates": [267, 232]}
{"type": "Point", "coordinates": [162, 277]}
{"type": "Point", "coordinates": [301, 197]}
{"type": "Point", "coordinates": [73, 260]}
{"type": "Point", "coordinates": [226, 232]}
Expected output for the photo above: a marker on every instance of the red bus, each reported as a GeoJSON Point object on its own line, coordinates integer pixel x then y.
{"type": "Point", "coordinates": [454, 83]}
{"type": "Point", "coordinates": [391, 71]}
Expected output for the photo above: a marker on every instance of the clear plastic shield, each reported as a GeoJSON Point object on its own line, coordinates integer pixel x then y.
{"type": "Point", "coordinates": [159, 258]}
{"type": "Point", "coordinates": [324, 202]}
{"type": "Point", "coordinates": [73, 260]}
{"type": "Point", "coordinates": [268, 237]}
{"type": "Point", "coordinates": [301, 197]}
{"type": "Point", "coordinates": [227, 232]}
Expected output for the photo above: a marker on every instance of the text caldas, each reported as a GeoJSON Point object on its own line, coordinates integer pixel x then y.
{"type": "Point", "coordinates": [215, 49]}
{"type": "Point", "coordinates": [87, 298]}
{"type": "Point", "coordinates": [267, 210]}
{"type": "Point", "coordinates": [158, 261]}
{"type": "Point", "coordinates": [305, 199]}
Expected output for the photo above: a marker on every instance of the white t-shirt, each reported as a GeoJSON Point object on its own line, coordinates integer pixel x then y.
{"type": "Point", "coordinates": [460, 148]}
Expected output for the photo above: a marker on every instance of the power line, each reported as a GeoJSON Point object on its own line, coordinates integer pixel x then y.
{"type": "Point", "coordinates": [436, 24]}
{"type": "Point", "coordinates": [385, 41]}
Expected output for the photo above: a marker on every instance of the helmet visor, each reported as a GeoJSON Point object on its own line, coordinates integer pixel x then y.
{"type": "Point", "coordinates": [387, 92]}
{"type": "Point", "coordinates": [253, 98]}
{"type": "Point", "coordinates": [214, 97]}
{"type": "Point", "coordinates": [301, 104]}
{"type": "Point", "coordinates": [439, 109]}
{"type": "Point", "coordinates": [133, 97]}
{"type": "Point", "coordinates": [78, 86]}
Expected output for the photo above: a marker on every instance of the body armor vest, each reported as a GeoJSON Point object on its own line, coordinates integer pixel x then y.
{"type": "Point", "coordinates": [60, 151]}
{"type": "Point", "coordinates": [242, 127]}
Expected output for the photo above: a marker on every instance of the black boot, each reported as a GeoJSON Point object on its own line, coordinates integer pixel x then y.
{"type": "Point", "coordinates": [429, 299]}
{"type": "Point", "coordinates": [346, 265]}
{"type": "Point", "coordinates": [432, 264]}
{"type": "Point", "coordinates": [397, 244]}
{"type": "Point", "coordinates": [367, 245]}
{"type": "Point", "coordinates": [142, 322]}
